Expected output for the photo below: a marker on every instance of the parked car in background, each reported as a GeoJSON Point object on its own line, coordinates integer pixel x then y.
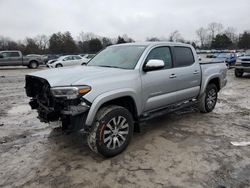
{"type": "Point", "coordinates": [228, 58]}
{"type": "Point", "coordinates": [51, 57]}
{"type": "Point", "coordinates": [214, 55]}
{"type": "Point", "coordinates": [68, 60]}
{"type": "Point", "coordinates": [16, 58]}
{"type": "Point", "coordinates": [87, 57]}
{"type": "Point", "coordinates": [123, 85]}
{"type": "Point", "coordinates": [242, 65]}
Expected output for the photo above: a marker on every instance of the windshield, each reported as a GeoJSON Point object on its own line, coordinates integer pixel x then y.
{"type": "Point", "coordinates": [124, 57]}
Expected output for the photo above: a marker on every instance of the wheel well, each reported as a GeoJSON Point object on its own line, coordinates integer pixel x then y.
{"type": "Point", "coordinates": [33, 61]}
{"type": "Point", "coordinates": [126, 102]}
{"type": "Point", "coordinates": [215, 81]}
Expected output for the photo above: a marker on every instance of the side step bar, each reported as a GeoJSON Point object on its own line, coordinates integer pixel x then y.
{"type": "Point", "coordinates": [168, 109]}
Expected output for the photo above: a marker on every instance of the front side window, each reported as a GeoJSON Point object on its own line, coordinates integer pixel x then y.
{"type": "Point", "coordinates": [77, 58]}
{"type": "Point", "coordinates": [124, 57]}
{"type": "Point", "coordinates": [67, 58]}
{"type": "Point", "coordinates": [161, 53]}
{"type": "Point", "coordinates": [183, 56]}
{"type": "Point", "coordinates": [5, 54]}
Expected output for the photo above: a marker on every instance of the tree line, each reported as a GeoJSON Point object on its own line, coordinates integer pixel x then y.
{"type": "Point", "coordinates": [214, 36]}
{"type": "Point", "coordinates": [62, 43]}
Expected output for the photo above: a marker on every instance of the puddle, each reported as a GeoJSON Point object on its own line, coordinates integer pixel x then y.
{"type": "Point", "coordinates": [18, 110]}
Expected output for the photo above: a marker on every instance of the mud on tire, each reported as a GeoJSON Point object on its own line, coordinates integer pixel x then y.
{"type": "Point", "coordinates": [111, 131]}
{"type": "Point", "coordinates": [208, 100]}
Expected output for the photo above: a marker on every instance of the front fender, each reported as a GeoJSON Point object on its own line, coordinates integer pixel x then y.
{"type": "Point", "coordinates": [108, 96]}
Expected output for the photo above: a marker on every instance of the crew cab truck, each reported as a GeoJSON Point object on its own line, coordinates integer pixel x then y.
{"type": "Point", "coordinates": [123, 85]}
{"type": "Point", "coordinates": [16, 58]}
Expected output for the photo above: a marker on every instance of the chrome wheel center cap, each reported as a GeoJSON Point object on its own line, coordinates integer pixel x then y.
{"type": "Point", "coordinates": [115, 132]}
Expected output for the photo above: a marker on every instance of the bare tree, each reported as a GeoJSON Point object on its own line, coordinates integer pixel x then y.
{"type": "Point", "coordinates": [153, 39]}
{"type": "Point", "coordinates": [202, 35]}
{"type": "Point", "coordinates": [214, 29]}
{"type": "Point", "coordinates": [231, 33]}
{"type": "Point", "coordinates": [86, 36]}
{"type": "Point", "coordinates": [42, 42]}
{"type": "Point", "coordinates": [175, 37]}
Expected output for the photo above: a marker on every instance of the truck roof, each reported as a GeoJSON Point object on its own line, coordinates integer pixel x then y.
{"type": "Point", "coordinates": [10, 51]}
{"type": "Point", "coordinates": [147, 44]}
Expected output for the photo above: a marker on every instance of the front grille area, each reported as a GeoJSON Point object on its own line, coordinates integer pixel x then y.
{"type": "Point", "coordinates": [245, 64]}
{"type": "Point", "coordinates": [39, 91]}
{"type": "Point", "coordinates": [48, 107]}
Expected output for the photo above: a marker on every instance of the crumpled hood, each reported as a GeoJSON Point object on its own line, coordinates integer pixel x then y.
{"type": "Point", "coordinates": [78, 75]}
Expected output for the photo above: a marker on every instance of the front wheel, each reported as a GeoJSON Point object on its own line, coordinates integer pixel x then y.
{"type": "Point", "coordinates": [112, 131]}
{"type": "Point", "coordinates": [59, 65]}
{"type": "Point", "coordinates": [209, 99]}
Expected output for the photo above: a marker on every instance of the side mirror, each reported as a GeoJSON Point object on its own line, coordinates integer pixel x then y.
{"type": "Point", "coordinates": [1, 56]}
{"type": "Point", "coordinates": [154, 64]}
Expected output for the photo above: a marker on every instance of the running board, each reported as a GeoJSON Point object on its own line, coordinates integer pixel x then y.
{"type": "Point", "coordinates": [168, 109]}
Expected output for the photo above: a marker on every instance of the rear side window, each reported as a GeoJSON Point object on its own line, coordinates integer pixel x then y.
{"type": "Point", "coordinates": [183, 56]}
{"type": "Point", "coordinates": [14, 54]}
{"type": "Point", "coordinates": [161, 53]}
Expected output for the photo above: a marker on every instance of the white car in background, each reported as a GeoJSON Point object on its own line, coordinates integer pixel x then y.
{"type": "Point", "coordinates": [87, 57]}
{"type": "Point", "coordinates": [68, 60]}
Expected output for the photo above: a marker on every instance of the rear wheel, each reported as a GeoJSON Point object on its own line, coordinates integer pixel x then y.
{"type": "Point", "coordinates": [112, 131]}
{"type": "Point", "coordinates": [33, 64]}
{"type": "Point", "coordinates": [208, 100]}
{"type": "Point", "coordinates": [238, 72]}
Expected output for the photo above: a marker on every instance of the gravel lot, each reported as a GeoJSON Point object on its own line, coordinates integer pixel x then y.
{"type": "Point", "coordinates": [184, 149]}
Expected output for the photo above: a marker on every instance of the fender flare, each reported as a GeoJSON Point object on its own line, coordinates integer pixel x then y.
{"type": "Point", "coordinates": [108, 96]}
{"type": "Point", "coordinates": [204, 85]}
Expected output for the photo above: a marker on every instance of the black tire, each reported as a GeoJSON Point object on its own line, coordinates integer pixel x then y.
{"type": "Point", "coordinates": [208, 100]}
{"type": "Point", "coordinates": [238, 73]}
{"type": "Point", "coordinates": [59, 65]}
{"type": "Point", "coordinates": [112, 131]}
{"type": "Point", "coordinates": [33, 65]}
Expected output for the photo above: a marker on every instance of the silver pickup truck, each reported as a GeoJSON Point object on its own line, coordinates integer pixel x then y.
{"type": "Point", "coordinates": [16, 58]}
{"type": "Point", "coordinates": [122, 86]}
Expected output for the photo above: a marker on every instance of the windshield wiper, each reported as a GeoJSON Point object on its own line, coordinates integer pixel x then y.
{"type": "Point", "coordinates": [110, 66]}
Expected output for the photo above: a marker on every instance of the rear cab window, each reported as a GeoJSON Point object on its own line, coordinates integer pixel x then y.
{"type": "Point", "coordinates": [14, 54]}
{"type": "Point", "coordinates": [183, 56]}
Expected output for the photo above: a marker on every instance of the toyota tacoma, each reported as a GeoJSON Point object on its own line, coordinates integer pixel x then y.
{"type": "Point", "coordinates": [122, 86]}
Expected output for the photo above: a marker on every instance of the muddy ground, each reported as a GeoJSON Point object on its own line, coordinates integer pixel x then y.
{"type": "Point", "coordinates": [184, 149]}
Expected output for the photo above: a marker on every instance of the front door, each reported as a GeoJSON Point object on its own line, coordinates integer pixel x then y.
{"type": "Point", "coordinates": [159, 86]}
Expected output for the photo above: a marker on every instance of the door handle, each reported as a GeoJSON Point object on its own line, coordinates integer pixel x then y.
{"type": "Point", "coordinates": [172, 76]}
{"type": "Point", "coordinates": [196, 72]}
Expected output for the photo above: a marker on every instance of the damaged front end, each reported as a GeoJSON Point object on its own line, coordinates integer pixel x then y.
{"type": "Point", "coordinates": [57, 103]}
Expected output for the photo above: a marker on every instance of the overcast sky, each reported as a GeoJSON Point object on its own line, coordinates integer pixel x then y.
{"type": "Point", "coordinates": [136, 18]}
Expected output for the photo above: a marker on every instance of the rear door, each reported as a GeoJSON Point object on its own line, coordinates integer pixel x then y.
{"type": "Point", "coordinates": [15, 58]}
{"type": "Point", "coordinates": [188, 73]}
